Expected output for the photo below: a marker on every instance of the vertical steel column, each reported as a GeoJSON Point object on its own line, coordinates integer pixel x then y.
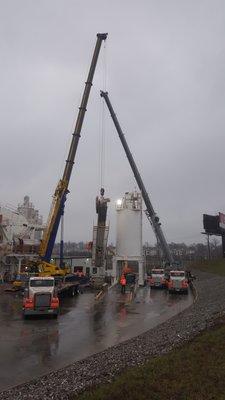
{"type": "Point", "coordinates": [61, 250]}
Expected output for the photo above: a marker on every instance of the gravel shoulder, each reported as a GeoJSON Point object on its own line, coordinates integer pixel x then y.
{"type": "Point", "coordinates": [102, 367]}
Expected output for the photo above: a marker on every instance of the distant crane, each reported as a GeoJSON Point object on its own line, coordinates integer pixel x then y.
{"type": "Point", "coordinates": [151, 215]}
{"type": "Point", "coordinates": [61, 191]}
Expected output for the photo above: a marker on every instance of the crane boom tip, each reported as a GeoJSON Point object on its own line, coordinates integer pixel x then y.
{"type": "Point", "coordinates": [103, 94]}
{"type": "Point", "coordinates": [102, 36]}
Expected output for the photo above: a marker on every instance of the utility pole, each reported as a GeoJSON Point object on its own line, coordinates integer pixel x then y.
{"type": "Point", "coordinates": [209, 250]}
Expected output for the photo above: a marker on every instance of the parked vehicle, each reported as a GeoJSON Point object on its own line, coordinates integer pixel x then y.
{"type": "Point", "coordinates": [177, 282]}
{"type": "Point", "coordinates": [40, 298]}
{"type": "Point", "coordinates": [157, 278]}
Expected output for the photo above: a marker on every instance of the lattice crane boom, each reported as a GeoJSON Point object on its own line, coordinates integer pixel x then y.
{"type": "Point", "coordinates": [153, 218]}
{"type": "Point", "coordinates": [61, 191]}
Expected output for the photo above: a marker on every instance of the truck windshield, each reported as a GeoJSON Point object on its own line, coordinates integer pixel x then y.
{"type": "Point", "coordinates": [177, 274]}
{"type": "Point", "coordinates": [158, 272]}
{"type": "Point", "coordinates": [41, 283]}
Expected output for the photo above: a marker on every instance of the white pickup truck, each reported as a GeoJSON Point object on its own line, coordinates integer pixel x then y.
{"type": "Point", "coordinates": [40, 298]}
{"type": "Point", "coordinates": [177, 282]}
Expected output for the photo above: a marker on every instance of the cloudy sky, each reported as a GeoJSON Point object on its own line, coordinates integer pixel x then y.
{"type": "Point", "coordinates": [164, 67]}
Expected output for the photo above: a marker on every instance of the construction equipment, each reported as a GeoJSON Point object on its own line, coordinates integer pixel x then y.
{"type": "Point", "coordinates": [41, 297]}
{"type": "Point", "coordinates": [178, 282]}
{"type": "Point", "coordinates": [61, 191]}
{"type": "Point", "coordinates": [151, 215]}
{"type": "Point", "coordinates": [157, 279]}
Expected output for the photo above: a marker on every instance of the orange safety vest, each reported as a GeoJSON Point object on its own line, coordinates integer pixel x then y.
{"type": "Point", "coordinates": [123, 281]}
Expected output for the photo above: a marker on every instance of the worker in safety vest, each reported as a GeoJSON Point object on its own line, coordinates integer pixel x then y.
{"type": "Point", "coordinates": [123, 283]}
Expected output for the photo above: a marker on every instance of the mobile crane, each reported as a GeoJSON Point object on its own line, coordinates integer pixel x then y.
{"type": "Point", "coordinates": [151, 215]}
{"type": "Point", "coordinates": [59, 198]}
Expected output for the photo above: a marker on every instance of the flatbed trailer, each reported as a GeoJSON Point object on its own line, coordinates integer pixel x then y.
{"type": "Point", "coordinates": [70, 284]}
{"type": "Point", "coordinates": [68, 289]}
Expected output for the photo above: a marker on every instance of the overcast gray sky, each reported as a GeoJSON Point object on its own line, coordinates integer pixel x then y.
{"type": "Point", "coordinates": [165, 63]}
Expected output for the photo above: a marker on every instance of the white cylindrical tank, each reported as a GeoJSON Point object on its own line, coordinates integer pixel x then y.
{"type": "Point", "coordinates": [129, 226]}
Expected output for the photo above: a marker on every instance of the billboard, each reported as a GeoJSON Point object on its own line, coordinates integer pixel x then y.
{"type": "Point", "coordinates": [211, 224]}
{"type": "Point", "coordinates": [214, 224]}
{"type": "Point", "coordinates": [222, 222]}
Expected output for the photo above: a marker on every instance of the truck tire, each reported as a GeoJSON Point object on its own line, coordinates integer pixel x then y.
{"type": "Point", "coordinates": [72, 292]}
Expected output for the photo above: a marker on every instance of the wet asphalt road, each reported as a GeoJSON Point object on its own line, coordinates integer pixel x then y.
{"type": "Point", "coordinates": [30, 348]}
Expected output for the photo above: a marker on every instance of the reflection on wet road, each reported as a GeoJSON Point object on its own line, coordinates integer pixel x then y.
{"type": "Point", "coordinates": [30, 348]}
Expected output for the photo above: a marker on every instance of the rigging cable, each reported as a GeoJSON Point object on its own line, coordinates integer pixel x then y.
{"type": "Point", "coordinates": [102, 125]}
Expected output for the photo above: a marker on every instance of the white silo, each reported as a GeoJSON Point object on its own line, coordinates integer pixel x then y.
{"type": "Point", "coordinates": [129, 235]}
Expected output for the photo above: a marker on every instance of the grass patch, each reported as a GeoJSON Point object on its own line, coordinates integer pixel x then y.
{"type": "Point", "coordinates": [214, 266]}
{"type": "Point", "coordinates": [196, 371]}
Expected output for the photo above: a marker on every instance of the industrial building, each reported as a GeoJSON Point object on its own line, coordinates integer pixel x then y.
{"type": "Point", "coordinates": [20, 233]}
